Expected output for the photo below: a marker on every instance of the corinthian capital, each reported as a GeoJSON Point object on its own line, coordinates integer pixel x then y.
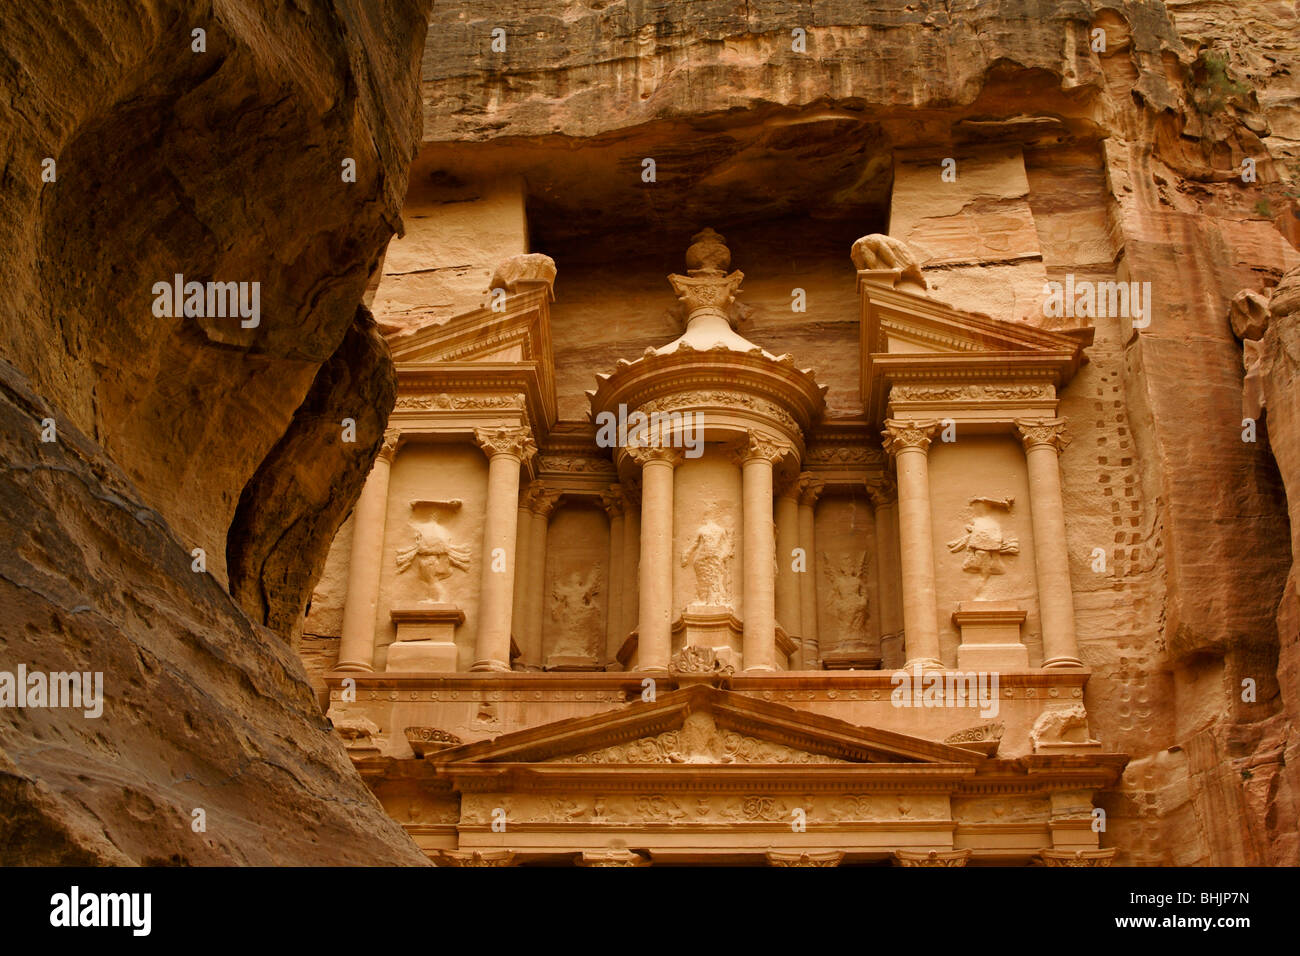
{"type": "Point", "coordinates": [882, 490]}
{"type": "Point", "coordinates": [515, 442]}
{"type": "Point", "coordinates": [613, 501]}
{"type": "Point", "coordinates": [1042, 431]}
{"type": "Point", "coordinates": [764, 447]}
{"type": "Point", "coordinates": [388, 450]}
{"type": "Point", "coordinates": [810, 488]}
{"type": "Point", "coordinates": [644, 454]}
{"type": "Point", "coordinates": [900, 435]}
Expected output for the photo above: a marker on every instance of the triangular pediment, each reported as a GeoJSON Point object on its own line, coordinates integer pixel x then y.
{"type": "Point", "coordinates": [518, 332]}
{"type": "Point", "coordinates": [909, 337]}
{"type": "Point", "coordinates": [704, 725]}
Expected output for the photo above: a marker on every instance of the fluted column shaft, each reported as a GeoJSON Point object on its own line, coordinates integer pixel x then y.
{"type": "Point", "coordinates": [759, 641]}
{"type": "Point", "coordinates": [655, 636]}
{"type": "Point", "coordinates": [1043, 440]}
{"type": "Point", "coordinates": [909, 443]}
{"type": "Point", "coordinates": [357, 642]}
{"type": "Point", "coordinates": [506, 449]}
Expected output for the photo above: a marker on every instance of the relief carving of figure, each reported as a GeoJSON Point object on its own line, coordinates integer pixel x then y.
{"type": "Point", "coordinates": [576, 611]}
{"type": "Point", "coordinates": [433, 554]}
{"type": "Point", "coordinates": [985, 542]}
{"type": "Point", "coordinates": [846, 596]}
{"type": "Point", "coordinates": [710, 557]}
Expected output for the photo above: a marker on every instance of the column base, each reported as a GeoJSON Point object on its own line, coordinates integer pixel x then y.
{"type": "Point", "coordinates": [925, 663]}
{"type": "Point", "coordinates": [358, 666]}
{"type": "Point", "coordinates": [495, 666]}
{"type": "Point", "coordinates": [1063, 662]}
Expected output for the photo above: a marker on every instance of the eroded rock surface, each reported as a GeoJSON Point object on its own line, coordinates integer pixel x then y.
{"type": "Point", "coordinates": [220, 162]}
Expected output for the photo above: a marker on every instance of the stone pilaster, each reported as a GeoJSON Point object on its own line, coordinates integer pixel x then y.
{"type": "Point", "coordinates": [654, 626]}
{"type": "Point", "coordinates": [909, 443]}
{"type": "Point", "coordinates": [631, 563]}
{"type": "Point", "coordinates": [357, 644]}
{"type": "Point", "coordinates": [614, 505]}
{"type": "Point", "coordinates": [540, 506]}
{"type": "Point", "coordinates": [883, 494]}
{"type": "Point", "coordinates": [1043, 440]}
{"type": "Point", "coordinates": [507, 449]}
{"type": "Point", "coordinates": [810, 490]}
{"type": "Point", "coordinates": [787, 579]}
{"type": "Point", "coordinates": [757, 457]}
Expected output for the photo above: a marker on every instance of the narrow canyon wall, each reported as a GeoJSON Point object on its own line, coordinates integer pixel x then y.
{"type": "Point", "coordinates": [141, 141]}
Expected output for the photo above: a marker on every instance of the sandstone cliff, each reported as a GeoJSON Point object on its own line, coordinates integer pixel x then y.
{"type": "Point", "coordinates": [1120, 160]}
{"type": "Point", "coordinates": [135, 149]}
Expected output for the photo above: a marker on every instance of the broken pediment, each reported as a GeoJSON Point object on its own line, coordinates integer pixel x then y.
{"type": "Point", "coordinates": [910, 338]}
{"type": "Point", "coordinates": [705, 725]}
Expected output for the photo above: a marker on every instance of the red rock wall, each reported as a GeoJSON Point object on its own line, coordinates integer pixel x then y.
{"type": "Point", "coordinates": [221, 165]}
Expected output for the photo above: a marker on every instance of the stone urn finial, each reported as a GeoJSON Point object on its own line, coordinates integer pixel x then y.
{"type": "Point", "coordinates": [708, 254]}
{"type": "Point", "coordinates": [707, 289]}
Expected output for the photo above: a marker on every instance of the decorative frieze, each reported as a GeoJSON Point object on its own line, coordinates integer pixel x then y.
{"type": "Point", "coordinates": [459, 402]}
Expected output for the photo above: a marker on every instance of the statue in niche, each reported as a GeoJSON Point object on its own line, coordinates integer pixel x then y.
{"type": "Point", "coordinates": [985, 543]}
{"type": "Point", "coordinates": [846, 596]}
{"type": "Point", "coordinates": [433, 554]}
{"type": "Point", "coordinates": [576, 611]}
{"type": "Point", "coordinates": [710, 558]}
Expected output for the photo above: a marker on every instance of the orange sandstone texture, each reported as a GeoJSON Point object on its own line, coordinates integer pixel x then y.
{"type": "Point", "coordinates": [173, 434]}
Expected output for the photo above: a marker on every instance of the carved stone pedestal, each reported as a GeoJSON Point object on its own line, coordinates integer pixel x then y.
{"type": "Point", "coordinates": [851, 659]}
{"type": "Point", "coordinates": [704, 625]}
{"type": "Point", "coordinates": [426, 638]}
{"type": "Point", "coordinates": [570, 662]}
{"type": "Point", "coordinates": [990, 636]}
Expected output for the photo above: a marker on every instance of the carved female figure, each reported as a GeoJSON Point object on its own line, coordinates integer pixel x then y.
{"type": "Point", "coordinates": [710, 558]}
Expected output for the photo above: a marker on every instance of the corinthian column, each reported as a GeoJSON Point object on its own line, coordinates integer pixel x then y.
{"type": "Point", "coordinates": [810, 490]}
{"type": "Point", "coordinates": [1043, 440]}
{"type": "Point", "coordinates": [506, 449]}
{"type": "Point", "coordinates": [613, 503]}
{"type": "Point", "coordinates": [357, 643]}
{"type": "Point", "coordinates": [909, 443]}
{"type": "Point", "coordinates": [655, 635]}
{"type": "Point", "coordinates": [756, 459]}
